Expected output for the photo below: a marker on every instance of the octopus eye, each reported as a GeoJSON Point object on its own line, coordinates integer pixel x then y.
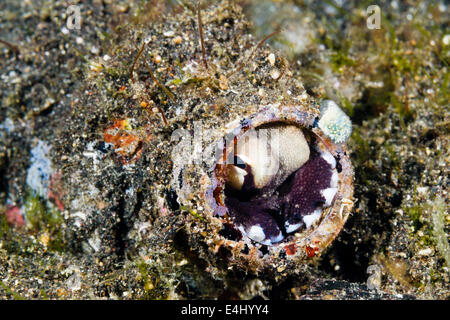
{"type": "Point", "coordinates": [238, 162]}
{"type": "Point", "coordinates": [236, 176]}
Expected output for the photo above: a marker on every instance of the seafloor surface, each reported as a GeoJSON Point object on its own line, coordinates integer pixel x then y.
{"type": "Point", "coordinates": [87, 214]}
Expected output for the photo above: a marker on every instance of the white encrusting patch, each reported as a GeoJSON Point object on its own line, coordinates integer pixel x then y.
{"type": "Point", "coordinates": [292, 227]}
{"type": "Point", "coordinates": [329, 194]}
{"type": "Point", "coordinates": [256, 233]}
{"type": "Point", "coordinates": [312, 218]}
{"type": "Point", "coordinates": [334, 122]}
{"type": "Point", "coordinates": [334, 180]}
{"type": "Point", "coordinates": [330, 159]}
{"type": "Point", "coordinates": [40, 170]}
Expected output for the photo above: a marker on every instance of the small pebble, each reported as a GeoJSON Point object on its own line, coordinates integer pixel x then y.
{"type": "Point", "coordinates": [425, 252]}
{"type": "Point", "coordinates": [95, 50]}
{"type": "Point", "coordinates": [271, 59]}
{"type": "Point", "coordinates": [169, 33]}
{"type": "Point", "coordinates": [446, 40]}
{"type": "Point", "coordinates": [177, 40]}
{"type": "Point", "coordinates": [275, 74]}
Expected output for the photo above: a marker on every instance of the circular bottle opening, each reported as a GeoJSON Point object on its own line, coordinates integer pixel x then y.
{"type": "Point", "coordinates": [278, 179]}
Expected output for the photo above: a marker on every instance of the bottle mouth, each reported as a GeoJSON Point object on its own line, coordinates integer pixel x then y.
{"type": "Point", "coordinates": [279, 179]}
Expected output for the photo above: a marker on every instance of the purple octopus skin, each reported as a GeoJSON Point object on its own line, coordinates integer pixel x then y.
{"type": "Point", "coordinates": [272, 213]}
{"type": "Point", "coordinates": [305, 195]}
{"type": "Point", "coordinates": [256, 213]}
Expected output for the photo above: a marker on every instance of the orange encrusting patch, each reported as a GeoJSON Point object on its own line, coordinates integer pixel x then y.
{"type": "Point", "coordinates": [291, 249]}
{"type": "Point", "coordinates": [311, 252]}
{"type": "Point", "coordinates": [126, 144]}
